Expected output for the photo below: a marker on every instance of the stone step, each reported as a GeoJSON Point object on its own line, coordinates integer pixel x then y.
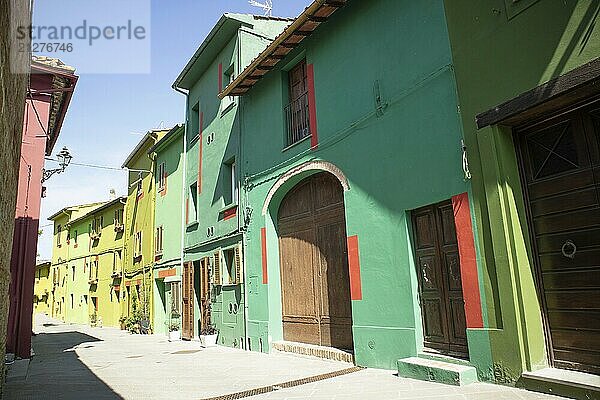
{"type": "Point", "coordinates": [304, 349]}
{"type": "Point", "coordinates": [437, 371]}
{"type": "Point", "coordinates": [561, 382]}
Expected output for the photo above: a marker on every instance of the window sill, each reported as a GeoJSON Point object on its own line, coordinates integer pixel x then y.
{"type": "Point", "coordinates": [228, 207]}
{"type": "Point", "coordinates": [297, 143]}
{"type": "Point", "coordinates": [227, 109]}
{"type": "Point", "coordinates": [194, 139]}
{"type": "Point", "coordinates": [192, 225]}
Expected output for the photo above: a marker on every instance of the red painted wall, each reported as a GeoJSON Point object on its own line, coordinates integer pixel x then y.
{"type": "Point", "coordinates": [468, 260]}
{"type": "Point", "coordinates": [27, 215]}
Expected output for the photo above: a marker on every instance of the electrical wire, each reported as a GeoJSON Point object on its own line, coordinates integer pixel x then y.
{"type": "Point", "coordinates": [90, 165]}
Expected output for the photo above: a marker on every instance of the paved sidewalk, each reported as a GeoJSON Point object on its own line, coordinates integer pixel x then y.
{"type": "Point", "coordinates": [79, 362]}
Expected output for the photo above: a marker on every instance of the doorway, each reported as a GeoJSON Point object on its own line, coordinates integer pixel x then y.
{"type": "Point", "coordinates": [560, 168]}
{"type": "Point", "coordinates": [440, 284]}
{"type": "Point", "coordinates": [187, 321]}
{"type": "Point", "coordinates": [315, 282]}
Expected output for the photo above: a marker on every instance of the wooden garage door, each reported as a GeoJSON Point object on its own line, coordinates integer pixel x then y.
{"type": "Point", "coordinates": [560, 160]}
{"type": "Point", "coordinates": [440, 283]}
{"type": "Point", "coordinates": [315, 280]}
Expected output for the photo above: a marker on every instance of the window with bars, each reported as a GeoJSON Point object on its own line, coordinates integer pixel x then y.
{"type": "Point", "coordinates": [297, 111]}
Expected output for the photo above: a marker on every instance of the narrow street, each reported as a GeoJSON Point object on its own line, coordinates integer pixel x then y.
{"type": "Point", "coordinates": [79, 362]}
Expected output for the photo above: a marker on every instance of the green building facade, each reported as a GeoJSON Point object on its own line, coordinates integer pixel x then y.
{"type": "Point", "coordinates": [168, 223]}
{"type": "Point", "coordinates": [526, 72]}
{"type": "Point", "coordinates": [213, 285]}
{"type": "Point", "coordinates": [392, 147]}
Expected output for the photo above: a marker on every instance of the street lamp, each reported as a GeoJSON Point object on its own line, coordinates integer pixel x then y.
{"type": "Point", "coordinates": [64, 159]}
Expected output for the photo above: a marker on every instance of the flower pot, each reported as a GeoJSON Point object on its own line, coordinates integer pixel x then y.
{"type": "Point", "coordinates": [174, 335]}
{"type": "Point", "coordinates": [123, 326]}
{"type": "Point", "coordinates": [208, 340]}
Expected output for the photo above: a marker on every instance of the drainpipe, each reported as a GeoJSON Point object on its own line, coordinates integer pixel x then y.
{"type": "Point", "coordinates": [183, 190]}
{"type": "Point", "coordinates": [241, 213]}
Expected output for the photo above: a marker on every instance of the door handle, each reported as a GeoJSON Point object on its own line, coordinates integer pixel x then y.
{"type": "Point", "coordinates": [569, 249]}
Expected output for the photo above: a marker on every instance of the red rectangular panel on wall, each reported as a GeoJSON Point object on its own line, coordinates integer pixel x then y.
{"type": "Point", "coordinates": [263, 244]}
{"type": "Point", "coordinates": [312, 106]}
{"type": "Point", "coordinates": [354, 268]}
{"type": "Point", "coordinates": [167, 272]}
{"type": "Point", "coordinates": [468, 260]}
{"type": "Point", "coordinates": [230, 213]}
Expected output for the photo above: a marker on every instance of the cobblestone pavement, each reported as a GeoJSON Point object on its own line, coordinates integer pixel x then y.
{"type": "Point", "coordinates": [79, 362]}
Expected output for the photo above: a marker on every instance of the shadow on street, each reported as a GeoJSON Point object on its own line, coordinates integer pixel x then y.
{"type": "Point", "coordinates": [55, 372]}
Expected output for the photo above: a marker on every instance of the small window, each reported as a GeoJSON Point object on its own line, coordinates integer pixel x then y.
{"type": "Point", "coordinates": [195, 122]}
{"type": "Point", "coordinates": [159, 240]}
{"type": "Point", "coordinates": [116, 261]}
{"type": "Point", "coordinates": [161, 176]}
{"type": "Point", "coordinates": [228, 77]}
{"type": "Point", "coordinates": [138, 244]}
{"type": "Point", "coordinates": [192, 205]}
{"type": "Point", "coordinates": [232, 260]}
{"type": "Point", "coordinates": [75, 236]}
{"type": "Point", "coordinates": [68, 236]}
{"type": "Point", "coordinates": [297, 111]}
{"type": "Point", "coordinates": [230, 195]}
{"type": "Point", "coordinates": [58, 232]}
{"type": "Point", "coordinates": [118, 218]}
{"type": "Point", "coordinates": [72, 300]}
{"type": "Point", "coordinates": [140, 185]}
{"type": "Point", "coordinates": [73, 269]}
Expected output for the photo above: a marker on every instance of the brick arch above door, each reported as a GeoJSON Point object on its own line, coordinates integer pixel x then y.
{"type": "Point", "coordinates": [316, 165]}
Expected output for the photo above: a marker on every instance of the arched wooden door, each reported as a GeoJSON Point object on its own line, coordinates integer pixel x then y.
{"type": "Point", "coordinates": [315, 282]}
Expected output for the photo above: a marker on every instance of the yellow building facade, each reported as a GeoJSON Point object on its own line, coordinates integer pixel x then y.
{"type": "Point", "coordinates": [87, 263]}
{"type": "Point", "coordinates": [138, 253]}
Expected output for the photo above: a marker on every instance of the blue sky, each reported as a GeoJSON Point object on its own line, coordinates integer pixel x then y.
{"type": "Point", "coordinates": [108, 112]}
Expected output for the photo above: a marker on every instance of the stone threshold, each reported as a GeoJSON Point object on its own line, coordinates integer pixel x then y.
{"type": "Point", "coordinates": [562, 382]}
{"type": "Point", "coordinates": [428, 368]}
{"type": "Point", "coordinates": [329, 353]}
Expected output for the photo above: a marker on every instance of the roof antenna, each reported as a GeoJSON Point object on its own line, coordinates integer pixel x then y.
{"type": "Point", "coordinates": [267, 6]}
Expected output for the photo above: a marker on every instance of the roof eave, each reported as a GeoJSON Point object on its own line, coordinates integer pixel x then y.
{"type": "Point", "coordinates": [136, 150]}
{"type": "Point", "coordinates": [179, 82]}
{"type": "Point", "coordinates": [167, 139]}
{"type": "Point", "coordinates": [312, 17]}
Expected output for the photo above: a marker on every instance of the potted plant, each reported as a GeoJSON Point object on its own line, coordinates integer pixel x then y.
{"type": "Point", "coordinates": [174, 333]}
{"type": "Point", "coordinates": [93, 318]}
{"type": "Point", "coordinates": [208, 333]}
{"type": "Point", "coordinates": [122, 320]}
{"type": "Point", "coordinates": [208, 336]}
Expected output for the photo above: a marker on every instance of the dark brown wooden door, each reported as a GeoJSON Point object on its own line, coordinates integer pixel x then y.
{"type": "Point", "coordinates": [560, 160]}
{"type": "Point", "coordinates": [315, 281]}
{"type": "Point", "coordinates": [440, 285]}
{"type": "Point", "coordinates": [187, 323]}
{"type": "Point", "coordinates": [204, 293]}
